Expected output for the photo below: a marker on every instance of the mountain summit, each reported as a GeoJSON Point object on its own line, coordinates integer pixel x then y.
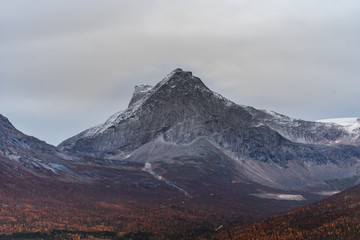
{"type": "Point", "coordinates": [175, 101]}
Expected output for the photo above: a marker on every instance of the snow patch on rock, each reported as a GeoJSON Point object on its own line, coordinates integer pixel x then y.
{"type": "Point", "coordinates": [280, 196]}
{"type": "Point", "coordinates": [328, 193]}
{"type": "Point", "coordinates": [350, 124]}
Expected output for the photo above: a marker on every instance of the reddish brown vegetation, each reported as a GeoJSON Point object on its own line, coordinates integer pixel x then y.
{"type": "Point", "coordinates": [120, 205]}
{"type": "Point", "coordinates": [337, 217]}
{"type": "Point", "coordinates": [124, 200]}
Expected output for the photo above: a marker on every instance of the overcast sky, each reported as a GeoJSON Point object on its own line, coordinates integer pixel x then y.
{"type": "Point", "coordinates": [68, 65]}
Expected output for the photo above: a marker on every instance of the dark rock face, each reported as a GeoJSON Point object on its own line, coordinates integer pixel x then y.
{"type": "Point", "coordinates": [10, 136]}
{"type": "Point", "coordinates": [27, 152]}
{"type": "Point", "coordinates": [180, 109]}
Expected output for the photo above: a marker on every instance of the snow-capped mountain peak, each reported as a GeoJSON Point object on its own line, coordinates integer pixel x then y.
{"type": "Point", "coordinates": [176, 81]}
{"type": "Point", "coordinates": [180, 78]}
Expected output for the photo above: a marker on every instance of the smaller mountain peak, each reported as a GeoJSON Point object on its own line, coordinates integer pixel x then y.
{"type": "Point", "coordinates": [139, 92]}
{"type": "Point", "coordinates": [5, 123]}
{"type": "Point", "coordinates": [4, 120]}
{"type": "Point", "coordinates": [142, 88]}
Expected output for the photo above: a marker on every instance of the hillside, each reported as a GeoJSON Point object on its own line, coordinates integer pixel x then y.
{"type": "Point", "coordinates": [337, 217]}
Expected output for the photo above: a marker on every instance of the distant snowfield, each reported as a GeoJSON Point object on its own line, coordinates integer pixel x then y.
{"type": "Point", "coordinates": [340, 121]}
{"type": "Point", "coordinates": [279, 196]}
{"type": "Point", "coordinates": [328, 193]}
{"type": "Point", "coordinates": [349, 123]}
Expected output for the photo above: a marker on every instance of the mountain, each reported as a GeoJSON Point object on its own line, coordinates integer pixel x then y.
{"type": "Point", "coordinates": [181, 101]}
{"type": "Point", "coordinates": [336, 217]}
{"type": "Point", "coordinates": [22, 154]}
{"type": "Point", "coordinates": [262, 146]}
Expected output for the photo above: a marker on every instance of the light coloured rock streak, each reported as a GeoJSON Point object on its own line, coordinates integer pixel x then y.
{"type": "Point", "coordinates": [148, 168]}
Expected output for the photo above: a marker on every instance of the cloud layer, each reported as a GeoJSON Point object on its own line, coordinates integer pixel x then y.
{"type": "Point", "coordinates": [68, 65]}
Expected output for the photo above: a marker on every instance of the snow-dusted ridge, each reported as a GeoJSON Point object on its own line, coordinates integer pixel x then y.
{"type": "Point", "coordinates": [341, 121]}
{"type": "Point", "coordinates": [350, 124]}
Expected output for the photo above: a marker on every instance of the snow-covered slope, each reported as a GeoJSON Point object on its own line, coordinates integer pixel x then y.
{"type": "Point", "coordinates": [301, 131]}
{"type": "Point", "coordinates": [349, 124]}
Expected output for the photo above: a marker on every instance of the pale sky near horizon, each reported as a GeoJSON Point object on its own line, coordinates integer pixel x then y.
{"type": "Point", "coordinates": [68, 65]}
